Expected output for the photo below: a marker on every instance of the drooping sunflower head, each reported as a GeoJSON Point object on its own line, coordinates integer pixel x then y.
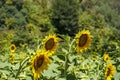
{"type": "Point", "coordinates": [39, 64]}
{"type": "Point", "coordinates": [106, 57]}
{"type": "Point", "coordinates": [83, 40]}
{"type": "Point", "coordinates": [12, 48]}
{"type": "Point", "coordinates": [50, 44]}
{"type": "Point", "coordinates": [109, 71]}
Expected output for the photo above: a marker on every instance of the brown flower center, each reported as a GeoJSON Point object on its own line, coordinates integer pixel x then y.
{"type": "Point", "coordinates": [49, 44]}
{"type": "Point", "coordinates": [38, 62]}
{"type": "Point", "coordinates": [107, 58]}
{"type": "Point", "coordinates": [82, 40]}
{"type": "Point", "coordinates": [12, 47]}
{"type": "Point", "coordinates": [108, 72]}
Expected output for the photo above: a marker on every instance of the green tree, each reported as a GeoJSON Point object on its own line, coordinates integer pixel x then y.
{"type": "Point", "coordinates": [111, 13]}
{"type": "Point", "coordinates": [65, 16]}
{"type": "Point", "coordinates": [11, 15]}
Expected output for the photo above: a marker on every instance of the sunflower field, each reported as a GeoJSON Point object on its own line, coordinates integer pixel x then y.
{"type": "Point", "coordinates": [59, 40]}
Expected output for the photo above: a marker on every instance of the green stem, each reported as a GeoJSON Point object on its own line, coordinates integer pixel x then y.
{"type": "Point", "coordinates": [21, 65]}
{"type": "Point", "coordinates": [66, 58]}
{"type": "Point", "coordinates": [70, 46]}
{"type": "Point", "coordinates": [66, 66]}
{"type": "Point", "coordinates": [60, 54]}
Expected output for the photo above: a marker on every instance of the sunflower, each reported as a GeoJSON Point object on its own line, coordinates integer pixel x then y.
{"type": "Point", "coordinates": [50, 44]}
{"type": "Point", "coordinates": [109, 71]}
{"type": "Point", "coordinates": [11, 57]}
{"type": "Point", "coordinates": [12, 48]}
{"type": "Point", "coordinates": [21, 55]}
{"type": "Point", "coordinates": [83, 40]}
{"type": "Point", "coordinates": [106, 57]}
{"type": "Point", "coordinates": [39, 63]}
{"type": "Point", "coordinates": [94, 59]}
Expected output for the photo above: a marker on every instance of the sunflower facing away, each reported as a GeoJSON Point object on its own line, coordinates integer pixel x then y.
{"type": "Point", "coordinates": [109, 71]}
{"type": "Point", "coordinates": [11, 58]}
{"type": "Point", "coordinates": [39, 64]}
{"type": "Point", "coordinates": [83, 40]}
{"type": "Point", "coordinates": [12, 48]}
{"type": "Point", "coordinates": [106, 57]}
{"type": "Point", "coordinates": [50, 44]}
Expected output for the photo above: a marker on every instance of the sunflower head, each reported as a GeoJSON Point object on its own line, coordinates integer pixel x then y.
{"type": "Point", "coordinates": [39, 63]}
{"type": "Point", "coordinates": [50, 44]}
{"type": "Point", "coordinates": [106, 57]}
{"type": "Point", "coordinates": [21, 55]}
{"type": "Point", "coordinates": [12, 48]}
{"type": "Point", "coordinates": [11, 58]}
{"type": "Point", "coordinates": [94, 59]}
{"type": "Point", "coordinates": [83, 40]}
{"type": "Point", "coordinates": [109, 71]}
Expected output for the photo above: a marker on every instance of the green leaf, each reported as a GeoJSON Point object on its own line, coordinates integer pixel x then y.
{"type": "Point", "coordinates": [61, 79]}
{"type": "Point", "coordinates": [64, 50]}
{"type": "Point", "coordinates": [5, 72]}
{"type": "Point", "coordinates": [5, 64]}
{"type": "Point", "coordinates": [117, 76]}
{"type": "Point", "coordinates": [52, 71]}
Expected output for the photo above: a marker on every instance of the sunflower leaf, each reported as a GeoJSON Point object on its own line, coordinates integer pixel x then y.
{"type": "Point", "coordinates": [117, 76]}
{"type": "Point", "coordinates": [64, 50]}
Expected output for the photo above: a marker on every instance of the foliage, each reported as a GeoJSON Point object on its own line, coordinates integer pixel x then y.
{"type": "Point", "coordinates": [111, 15]}
{"type": "Point", "coordinates": [65, 16]}
{"type": "Point", "coordinates": [38, 15]}
{"type": "Point", "coordinates": [26, 23]}
{"type": "Point", "coordinates": [104, 7]}
{"type": "Point", "coordinates": [11, 15]}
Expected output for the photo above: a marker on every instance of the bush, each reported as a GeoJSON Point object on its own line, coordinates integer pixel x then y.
{"type": "Point", "coordinates": [65, 16]}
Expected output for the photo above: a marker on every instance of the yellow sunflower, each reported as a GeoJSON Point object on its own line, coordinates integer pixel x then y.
{"type": "Point", "coordinates": [109, 71]}
{"type": "Point", "coordinates": [106, 57]}
{"type": "Point", "coordinates": [39, 63]}
{"type": "Point", "coordinates": [21, 55]}
{"type": "Point", "coordinates": [11, 57]}
{"type": "Point", "coordinates": [12, 48]}
{"type": "Point", "coordinates": [83, 40]}
{"type": "Point", "coordinates": [50, 44]}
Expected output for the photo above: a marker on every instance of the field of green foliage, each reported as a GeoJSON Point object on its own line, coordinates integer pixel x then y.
{"type": "Point", "coordinates": [59, 40]}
